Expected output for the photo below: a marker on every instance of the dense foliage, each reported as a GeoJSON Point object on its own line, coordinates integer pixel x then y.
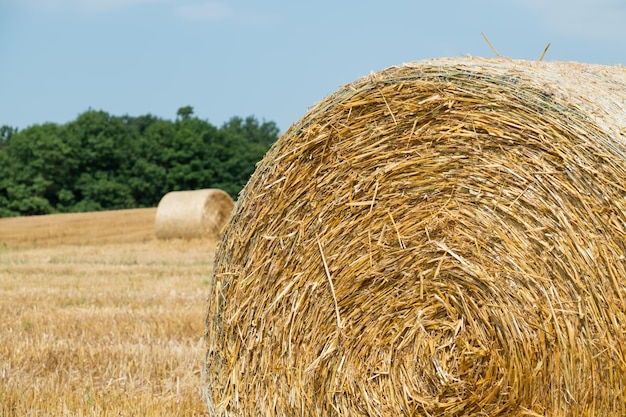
{"type": "Point", "coordinates": [105, 162]}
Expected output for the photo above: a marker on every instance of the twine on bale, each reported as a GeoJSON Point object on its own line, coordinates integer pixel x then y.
{"type": "Point", "coordinates": [446, 237]}
{"type": "Point", "coordinates": [193, 214]}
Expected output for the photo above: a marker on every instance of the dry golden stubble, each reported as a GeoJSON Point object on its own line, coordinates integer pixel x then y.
{"type": "Point", "coordinates": [96, 323]}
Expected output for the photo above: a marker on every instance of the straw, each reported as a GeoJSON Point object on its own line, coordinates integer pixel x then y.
{"type": "Point", "coordinates": [441, 238]}
{"type": "Point", "coordinates": [193, 214]}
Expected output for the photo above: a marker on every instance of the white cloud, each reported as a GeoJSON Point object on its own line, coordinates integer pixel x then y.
{"type": "Point", "coordinates": [198, 10]}
{"type": "Point", "coordinates": [97, 6]}
{"type": "Point", "coordinates": [596, 19]}
{"type": "Point", "coordinates": [210, 10]}
{"type": "Point", "coordinates": [86, 6]}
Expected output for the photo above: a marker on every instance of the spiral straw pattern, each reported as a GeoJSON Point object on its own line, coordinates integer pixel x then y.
{"type": "Point", "coordinates": [441, 238]}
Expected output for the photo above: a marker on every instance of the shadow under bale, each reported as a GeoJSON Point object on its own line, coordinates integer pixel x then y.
{"type": "Point", "coordinates": [445, 237]}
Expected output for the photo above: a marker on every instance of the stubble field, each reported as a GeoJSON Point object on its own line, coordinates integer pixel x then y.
{"type": "Point", "coordinates": [99, 318]}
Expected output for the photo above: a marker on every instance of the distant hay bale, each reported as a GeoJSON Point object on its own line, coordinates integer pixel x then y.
{"type": "Point", "coordinates": [441, 238]}
{"type": "Point", "coordinates": [193, 214]}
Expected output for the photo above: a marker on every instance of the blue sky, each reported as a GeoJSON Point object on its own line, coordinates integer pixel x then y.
{"type": "Point", "coordinates": [271, 59]}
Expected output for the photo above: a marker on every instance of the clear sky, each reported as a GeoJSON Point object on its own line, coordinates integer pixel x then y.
{"type": "Point", "coordinates": [272, 59]}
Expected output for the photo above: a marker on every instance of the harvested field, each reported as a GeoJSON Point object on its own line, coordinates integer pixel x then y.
{"type": "Point", "coordinates": [97, 228]}
{"type": "Point", "coordinates": [99, 318]}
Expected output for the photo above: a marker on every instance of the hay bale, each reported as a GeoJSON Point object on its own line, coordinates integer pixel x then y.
{"type": "Point", "coordinates": [446, 237]}
{"type": "Point", "coordinates": [193, 214]}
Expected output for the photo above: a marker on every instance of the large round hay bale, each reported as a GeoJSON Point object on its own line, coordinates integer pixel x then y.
{"type": "Point", "coordinates": [193, 214]}
{"type": "Point", "coordinates": [441, 238]}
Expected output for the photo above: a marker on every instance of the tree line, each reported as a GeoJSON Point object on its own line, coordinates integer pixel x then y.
{"type": "Point", "coordinates": [103, 162]}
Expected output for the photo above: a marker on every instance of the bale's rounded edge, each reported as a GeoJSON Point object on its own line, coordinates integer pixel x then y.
{"type": "Point", "coordinates": [446, 237]}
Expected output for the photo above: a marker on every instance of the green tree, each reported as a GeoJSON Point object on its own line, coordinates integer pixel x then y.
{"type": "Point", "coordinates": [6, 183]}
{"type": "Point", "coordinates": [108, 148]}
{"type": "Point", "coordinates": [249, 129]}
{"type": "Point", "coordinates": [40, 163]}
{"type": "Point", "coordinates": [139, 124]}
{"type": "Point", "coordinates": [241, 143]}
{"type": "Point", "coordinates": [185, 112]}
{"type": "Point", "coordinates": [5, 135]}
{"type": "Point", "coordinates": [103, 191]}
{"type": "Point", "coordinates": [101, 139]}
{"type": "Point", "coordinates": [102, 162]}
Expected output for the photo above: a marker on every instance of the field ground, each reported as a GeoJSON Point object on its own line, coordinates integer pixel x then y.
{"type": "Point", "coordinates": [99, 318]}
